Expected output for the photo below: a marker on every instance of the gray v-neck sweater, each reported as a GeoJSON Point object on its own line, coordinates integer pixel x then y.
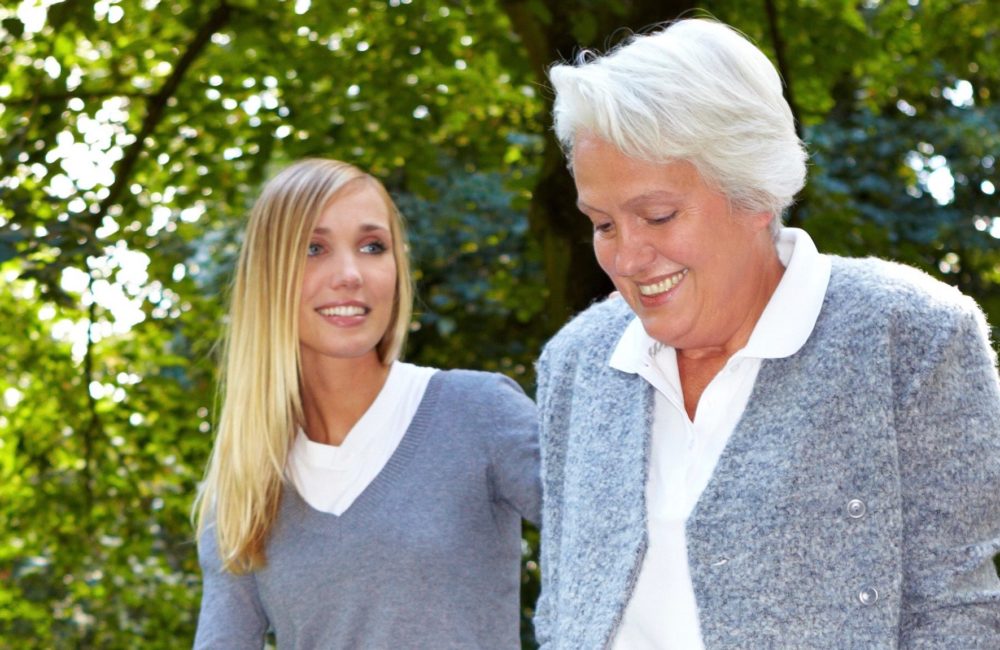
{"type": "Point", "coordinates": [428, 556]}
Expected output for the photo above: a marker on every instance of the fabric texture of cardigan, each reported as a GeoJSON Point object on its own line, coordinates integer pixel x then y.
{"type": "Point", "coordinates": [856, 505]}
{"type": "Point", "coordinates": [427, 556]}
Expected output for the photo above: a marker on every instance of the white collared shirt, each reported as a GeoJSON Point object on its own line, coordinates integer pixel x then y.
{"type": "Point", "coordinates": [662, 613]}
{"type": "Point", "coordinates": [329, 478]}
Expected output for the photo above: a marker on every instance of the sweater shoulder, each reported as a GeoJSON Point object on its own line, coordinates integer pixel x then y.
{"type": "Point", "coordinates": [915, 321]}
{"type": "Point", "coordinates": [479, 395]}
{"type": "Point", "coordinates": [464, 383]}
{"type": "Point", "coordinates": [594, 331]}
{"type": "Point", "coordinates": [896, 290]}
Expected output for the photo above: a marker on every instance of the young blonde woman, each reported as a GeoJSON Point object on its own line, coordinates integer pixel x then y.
{"type": "Point", "coordinates": [353, 500]}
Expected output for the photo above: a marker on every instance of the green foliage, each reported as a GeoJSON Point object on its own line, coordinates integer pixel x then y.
{"type": "Point", "coordinates": [135, 133]}
{"type": "Point", "coordinates": [114, 276]}
{"type": "Point", "coordinates": [893, 106]}
{"type": "Point", "coordinates": [476, 271]}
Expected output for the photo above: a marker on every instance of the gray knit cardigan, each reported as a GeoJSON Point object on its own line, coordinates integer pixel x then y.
{"type": "Point", "coordinates": [857, 504]}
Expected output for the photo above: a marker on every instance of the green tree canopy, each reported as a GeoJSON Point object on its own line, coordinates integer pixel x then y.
{"type": "Point", "coordinates": [134, 135]}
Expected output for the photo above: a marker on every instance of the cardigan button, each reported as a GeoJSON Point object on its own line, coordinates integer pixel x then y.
{"type": "Point", "coordinates": [868, 595]}
{"type": "Point", "coordinates": [856, 509]}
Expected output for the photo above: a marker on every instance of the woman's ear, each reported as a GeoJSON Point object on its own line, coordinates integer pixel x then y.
{"type": "Point", "coordinates": [758, 221]}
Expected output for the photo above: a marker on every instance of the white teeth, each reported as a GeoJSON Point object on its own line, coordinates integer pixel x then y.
{"type": "Point", "coordinates": [343, 310]}
{"type": "Point", "coordinates": [665, 284]}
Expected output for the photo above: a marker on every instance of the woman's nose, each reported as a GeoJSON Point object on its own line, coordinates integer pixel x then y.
{"type": "Point", "coordinates": [633, 255]}
{"type": "Point", "coordinates": [346, 274]}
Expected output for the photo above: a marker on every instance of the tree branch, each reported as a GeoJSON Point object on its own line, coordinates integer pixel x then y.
{"type": "Point", "coordinates": [62, 98]}
{"type": "Point", "coordinates": [123, 171]}
{"type": "Point", "coordinates": [158, 104]}
{"type": "Point", "coordinates": [793, 217]}
{"type": "Point", "coordinates": [94, 426]}
{"type": "Point", "coordinates": [779, 54]}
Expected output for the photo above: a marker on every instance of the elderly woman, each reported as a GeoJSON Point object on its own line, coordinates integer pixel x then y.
{"type": "Point", "coordinates": [760, 446]}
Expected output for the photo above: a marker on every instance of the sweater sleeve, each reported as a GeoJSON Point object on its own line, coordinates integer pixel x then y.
{"type": "Point", "coordinates": [231, 613]}
{"type": "Point", "coordinates": [513, 449]}
{"type": "Point", "coordinates": [949, 431]}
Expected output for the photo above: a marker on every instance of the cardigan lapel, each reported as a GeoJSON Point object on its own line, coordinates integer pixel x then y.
{"type": "Point", "coordinates": [605, 496]}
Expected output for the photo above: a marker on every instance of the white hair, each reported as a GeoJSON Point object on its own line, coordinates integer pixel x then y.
{"type": "Point", "coordinates": [696, 91]}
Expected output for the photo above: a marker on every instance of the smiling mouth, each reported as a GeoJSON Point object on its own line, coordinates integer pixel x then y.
{"type": "Point", "coordinates": [343, 310]}
{"type": "Point", "coordinates": [664, 285]}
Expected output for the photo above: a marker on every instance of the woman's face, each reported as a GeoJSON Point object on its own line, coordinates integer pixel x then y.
{"type": "Point", "coordinates": [690, 265]}
{"type": "Point", "coordinates": [349, 283]}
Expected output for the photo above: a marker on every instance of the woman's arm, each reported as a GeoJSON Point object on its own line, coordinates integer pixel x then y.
{"type": "Point", "coordinates": [949, 433]}
{"type": "Point", "coordinates": [232, 617]}
{"type": "Point", "coordinates": [513, 445]}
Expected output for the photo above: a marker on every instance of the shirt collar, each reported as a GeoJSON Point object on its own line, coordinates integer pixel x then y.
{"type": "Point", "coordinates": [634, 348]}
{"type": "Point", "coordinates": [783, 327]}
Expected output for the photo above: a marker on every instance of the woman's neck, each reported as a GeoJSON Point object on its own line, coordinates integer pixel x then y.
{"type": "Point", "coordinates": [697, 367]}
{"type": "Point", "coordinates": [337, 392]}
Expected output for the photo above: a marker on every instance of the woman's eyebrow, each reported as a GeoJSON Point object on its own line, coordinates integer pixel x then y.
{"type": "Point", "coordinates": [641, 200]}
{"type": "Point", "coordinates": [365, 227]}
{"type": "Point", "coordinates": [583, 207]}
{"type": "Point", "coordinates": [650, 197]}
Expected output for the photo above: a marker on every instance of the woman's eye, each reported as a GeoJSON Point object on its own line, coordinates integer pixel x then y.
{"type": "Point", "coordinates": [374, 248]}
{"type": "Point", "coordinates": [314, 249]}
{"type": "Point", "coordinates": [664, 219]}
{"type": "Point", "coordinates": [604, 228]}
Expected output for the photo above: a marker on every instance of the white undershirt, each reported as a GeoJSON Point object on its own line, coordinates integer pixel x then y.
{"type": "Point", "coordinates": [662, 613]}
{"type": "Point", "coordinates": [329, 478]}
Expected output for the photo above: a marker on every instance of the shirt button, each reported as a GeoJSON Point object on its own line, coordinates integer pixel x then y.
{"type": "Point", "coordinates": [856, 509]}
{"type": "Point", "coordinates": [868, 595]}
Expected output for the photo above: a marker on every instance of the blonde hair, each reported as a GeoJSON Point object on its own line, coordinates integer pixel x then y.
{"type": "Point", "coordinates": [698, 91]}
{"type": "Point", "coordinates": [261, 400]}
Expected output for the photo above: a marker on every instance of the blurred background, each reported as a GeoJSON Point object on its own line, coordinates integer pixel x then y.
{"type": "Point", "coordinates": [134, 135]}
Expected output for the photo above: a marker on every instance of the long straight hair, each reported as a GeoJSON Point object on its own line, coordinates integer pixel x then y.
{"type": "Point", "coordinates": [260, 383]}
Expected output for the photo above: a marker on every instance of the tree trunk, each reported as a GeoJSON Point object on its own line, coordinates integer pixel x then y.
{"type": "Point", "coordinates": [549, 30]}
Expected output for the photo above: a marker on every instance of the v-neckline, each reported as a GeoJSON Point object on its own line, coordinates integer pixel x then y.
{"type": "Point", "coordinates": [304, 515]}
